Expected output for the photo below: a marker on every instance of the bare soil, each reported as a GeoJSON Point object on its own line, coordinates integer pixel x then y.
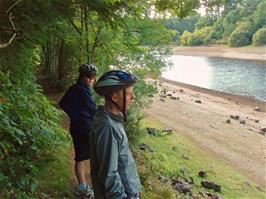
{"type": "Point", "coordinates": [241, 145]}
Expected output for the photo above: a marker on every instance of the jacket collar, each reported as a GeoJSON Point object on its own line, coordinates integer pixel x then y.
{"type": "Point", "coordinates": [83, 83]}
{"type": "Point", "coordinates": [117, 117]}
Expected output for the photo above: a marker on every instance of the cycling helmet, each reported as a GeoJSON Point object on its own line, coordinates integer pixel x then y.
{"type": "Point", "coordinates": [88, 70]}
{"type": "Point", "coordinates": [112, 81]}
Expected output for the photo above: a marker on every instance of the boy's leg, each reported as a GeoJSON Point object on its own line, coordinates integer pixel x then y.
{"type": "Point", "coordinates": [80, 171]}
{"type": "Point", "coordinates": [83, 188]}
{"type": "Point", "coordinates": [81, 146]}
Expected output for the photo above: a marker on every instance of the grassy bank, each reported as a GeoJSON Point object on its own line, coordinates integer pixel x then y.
{"type": "Point", "coordinates": [174, 156]}
{"type": "Point", "coordinates": [55, 179]}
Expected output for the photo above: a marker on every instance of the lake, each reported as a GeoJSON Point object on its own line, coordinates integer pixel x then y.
{"type": "Point", "coordinates": [241, 77]}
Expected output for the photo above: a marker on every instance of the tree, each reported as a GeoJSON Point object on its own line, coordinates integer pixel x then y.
{"type": "Point", "coordinates": [181, 25]}
{"type": "Point", "coordinates": [230, 5]}
{"type": "Point", "coordinates": [242, 35]}
{"type": "Point", "coordinates": [259, 38]}
{"type": "Point", "coordinates": [207, 20]}
{"type": "Point", "coordinates": [185, 38]}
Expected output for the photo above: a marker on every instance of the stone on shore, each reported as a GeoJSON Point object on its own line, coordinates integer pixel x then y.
{"type": "Point", "coordinates": [236, 117]}
{"type": "Point", "coordinates": [211, 185]}
{"type": "Point", "coordinates": [153, 131]}
{"type": "Point", "coordinates": [242, 121]}
{"type": "Point", "coordinates": [181, 186]}
{"type": "Point", "coordinates": [145, 147]}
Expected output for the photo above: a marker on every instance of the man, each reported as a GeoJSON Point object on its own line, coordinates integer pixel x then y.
{"type": "Point", "coordinates": [113, 169]}
{"type": "Point", "coordinates": [80, 107]}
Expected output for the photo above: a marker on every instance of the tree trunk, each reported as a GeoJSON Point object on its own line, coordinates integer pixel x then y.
{"type": "Point", "coordinates": [87, 33]}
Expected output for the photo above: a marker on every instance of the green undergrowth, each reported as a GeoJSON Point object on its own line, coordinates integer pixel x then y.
{"type": "Point", "coordinates": [174, 156]}
{"type": "Point", "coordinates": [55, 180]}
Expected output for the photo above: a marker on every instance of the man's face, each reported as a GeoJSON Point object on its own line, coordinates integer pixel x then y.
{"type": "Point", "coordinates": [118, 97]}
{"type": "Point", "coordinates": [129, 96]}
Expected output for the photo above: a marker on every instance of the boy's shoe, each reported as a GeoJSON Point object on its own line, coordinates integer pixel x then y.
{"type": "Point", "coordinates": [88, 192]}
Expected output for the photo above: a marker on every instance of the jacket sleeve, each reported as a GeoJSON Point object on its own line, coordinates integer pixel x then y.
{"type": "Point", "coordinates": [107, 154]}
{"type": "Point", "coordinates": [90, 104]}
{"type": "Point", "coordinates": [64, 104]}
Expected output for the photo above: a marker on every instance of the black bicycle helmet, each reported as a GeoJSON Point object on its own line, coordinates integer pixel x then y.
{"type": "Point", "coordinates": [112, 81]}
{"type": "Point", "coordinates": [88, 70]}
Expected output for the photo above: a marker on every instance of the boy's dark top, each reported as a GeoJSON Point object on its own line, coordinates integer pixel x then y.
{"type": "Point", "coordinates": [113, 169]}
{"type": "Point", "coordinates": [80, 107]}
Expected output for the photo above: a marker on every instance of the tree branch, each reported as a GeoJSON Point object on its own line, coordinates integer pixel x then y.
{"type": "Point", "coordinates": [95, 44]}
{"type": "Point", "coordinates": [10, 17]}
{"type": "Point", "coordinates": [75, 27]}
{"type": "Point", "coordinates": [10, 30]}
{"type": "Point", "coordinates": [4, 45]}
{"type": "Point", "coordinates": [86, 10]}
{"type": "Point", "coordinates": [13, 5]}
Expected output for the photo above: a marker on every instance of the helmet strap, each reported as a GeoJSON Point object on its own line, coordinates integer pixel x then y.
{"type": "Point", "coordinates": [124, 104]}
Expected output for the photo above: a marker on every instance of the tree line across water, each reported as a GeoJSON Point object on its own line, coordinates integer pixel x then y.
{"type": "Point", "coordinates": [236, 23]}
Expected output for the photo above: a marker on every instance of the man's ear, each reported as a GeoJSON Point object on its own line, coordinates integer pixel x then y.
{"type": "Point", "coordinates": [114, 97]}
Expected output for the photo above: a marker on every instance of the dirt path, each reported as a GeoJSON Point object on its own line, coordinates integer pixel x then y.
{"type": "Point", "coordinates": [241, 145]}
{"type": "Point", "coordinates": [55, 95]}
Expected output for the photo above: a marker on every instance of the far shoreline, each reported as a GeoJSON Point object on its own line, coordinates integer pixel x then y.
{"type": "Point", "coordinates": [249, 101]}
{"type": "Point", "coordinates": [243, 53]}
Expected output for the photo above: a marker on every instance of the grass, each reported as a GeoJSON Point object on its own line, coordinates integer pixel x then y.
{"type": "Point", "coordinates": [55, 179]}
{"type": "Point", "coordinates": [174, 155]}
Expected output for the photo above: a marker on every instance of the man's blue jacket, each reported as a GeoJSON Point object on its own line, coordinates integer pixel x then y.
{"type": "Point", "coordinates": [79, 106]}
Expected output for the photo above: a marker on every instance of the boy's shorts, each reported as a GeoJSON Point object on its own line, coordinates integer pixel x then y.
{"type": "Point", "coordinates": [81, 146]}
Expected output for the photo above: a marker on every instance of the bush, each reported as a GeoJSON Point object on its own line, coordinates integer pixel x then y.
{"type": "Point", "coordinates": [259, 38]}
{"type": "Point", "coordinates": [217, 31]}
{"type": "Point", "coordinates": [242, 35]}
{"type": "Point", "coordinates": [143, 93]}
{"type": "Point", "coordinates": [196, 38]}
{"type": "Point", "coordinates": [29, 135]}
{"type": "Point", "coordinates": [185, 37]}
{"type": "Point", "coordinates": [194, 41]}
{"type": "Point", "coordinates": [221, 41]}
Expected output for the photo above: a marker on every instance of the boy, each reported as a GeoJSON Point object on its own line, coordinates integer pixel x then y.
{"type": "Point", "coordinates": [80, 107]}
{"type": "Point", "coordinates": [113, 170]}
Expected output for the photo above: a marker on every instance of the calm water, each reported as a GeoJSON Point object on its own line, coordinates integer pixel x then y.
{"type": "Point", "coordinates": [229, 75]}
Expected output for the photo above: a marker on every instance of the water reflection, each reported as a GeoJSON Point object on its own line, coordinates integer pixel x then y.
{"type": "Point", "coordinates": [230, 75]}
{"type": "Point", "coordinates": [190, 70]}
